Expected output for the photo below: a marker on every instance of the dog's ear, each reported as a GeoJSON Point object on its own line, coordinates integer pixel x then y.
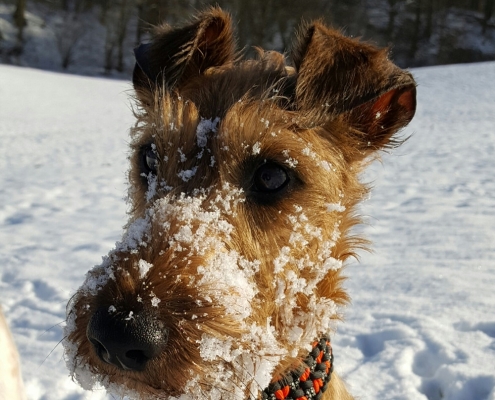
{"type": "Point", "coordinates": [175, 56]}
{"type": "Point", "coordinates": [339, 76]}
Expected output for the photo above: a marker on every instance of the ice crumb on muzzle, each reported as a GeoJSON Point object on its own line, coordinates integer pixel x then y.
{"type": "Point", "coordinates": [144, 268]}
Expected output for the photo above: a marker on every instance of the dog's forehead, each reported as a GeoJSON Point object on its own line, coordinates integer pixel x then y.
{"type": "Point", "coordinates": [225, 108]}
{"type": "Point", "coordinates": [219, 89]}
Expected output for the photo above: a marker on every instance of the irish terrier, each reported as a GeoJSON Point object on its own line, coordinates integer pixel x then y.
{"type": "Point", "coordinates": [244, 182]}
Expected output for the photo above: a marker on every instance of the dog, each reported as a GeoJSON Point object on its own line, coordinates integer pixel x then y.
{"type": "Point", "coordinates": [244, 183]}
{"type": "Point", "coordinates": [11, 386]}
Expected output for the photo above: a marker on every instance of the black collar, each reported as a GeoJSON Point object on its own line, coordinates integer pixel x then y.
{"type": "Point", "coordinates": [309, 381]}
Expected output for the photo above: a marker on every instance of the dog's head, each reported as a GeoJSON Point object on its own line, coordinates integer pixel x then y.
{"type": "Point", "coordinates": [243, 187]}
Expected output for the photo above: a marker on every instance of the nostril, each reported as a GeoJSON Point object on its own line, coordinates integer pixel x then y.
{"type": "Point", "coordinates": [126, 343]}
{"type": "Point", "coordinates": [100, 350]}
{"type": "Point", "coordinates": [137, 357]}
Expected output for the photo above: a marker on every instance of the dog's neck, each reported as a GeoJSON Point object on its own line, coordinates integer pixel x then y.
{"type": "Point", "coordinates": [310, 380]}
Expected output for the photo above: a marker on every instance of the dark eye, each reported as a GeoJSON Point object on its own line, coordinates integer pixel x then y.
{"type": "Point", "coordinates": [270, 178]}
{"type": "Point", "coordinates": [150, 159]}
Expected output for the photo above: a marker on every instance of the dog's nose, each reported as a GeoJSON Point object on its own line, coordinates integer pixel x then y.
{"type": "Point", "coordinates": [126, 340]}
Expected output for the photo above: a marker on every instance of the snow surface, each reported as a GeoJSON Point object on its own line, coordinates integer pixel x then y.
{"type": "Point", "coordinates": [422, 321]}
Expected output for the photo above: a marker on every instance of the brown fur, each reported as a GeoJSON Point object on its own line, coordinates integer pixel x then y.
{"type": "Point", "coordinates": [319, 120]}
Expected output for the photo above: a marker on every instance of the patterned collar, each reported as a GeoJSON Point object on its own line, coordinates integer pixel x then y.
{"type": "Point", "coordinates": [307, 382]}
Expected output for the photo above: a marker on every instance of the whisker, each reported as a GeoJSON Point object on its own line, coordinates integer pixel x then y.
{"type": "Point", "coordinates": [52, 350]}
{"type": "Point", "coordinates": [51, 327]}
{"type": "Point", "coordinates": [253, 379]}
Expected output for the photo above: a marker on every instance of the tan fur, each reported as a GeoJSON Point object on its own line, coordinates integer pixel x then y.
{"type": "Point", "coordinates": [318, 121]}
{"type": "Point", "coordinates": [11, 386]}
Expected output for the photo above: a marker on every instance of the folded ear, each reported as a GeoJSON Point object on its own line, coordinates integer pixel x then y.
{"type": "Point", "coordinates": [176, 56]}
{"type": "Point", "coordinates": [340, 76]}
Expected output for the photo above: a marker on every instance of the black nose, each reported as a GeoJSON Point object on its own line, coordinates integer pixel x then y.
{"type": "Point", "coordinates": [126, 340]}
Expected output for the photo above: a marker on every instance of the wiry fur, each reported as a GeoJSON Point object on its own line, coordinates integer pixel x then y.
{"type": "Point", "coordinates": [201, 225]}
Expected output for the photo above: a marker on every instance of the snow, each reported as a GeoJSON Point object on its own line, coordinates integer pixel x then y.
{"type": "Point", "coordinates": [206, 126]}
{"type": "Point", "coordinates": [421, 324]}
{"type": "Point", "coordinates": [144, 268]}
{"type": "Point", "coordinates": [335, 207]}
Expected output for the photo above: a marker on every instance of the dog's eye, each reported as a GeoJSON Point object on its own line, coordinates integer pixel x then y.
{"type": "Point", "coordinates": [150, 159]}
{"type": "Point", "coordinates": [270, 177]}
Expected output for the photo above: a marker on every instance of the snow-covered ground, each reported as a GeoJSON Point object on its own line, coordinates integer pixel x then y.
{"type": "Point", "coordinates": [422, 321]}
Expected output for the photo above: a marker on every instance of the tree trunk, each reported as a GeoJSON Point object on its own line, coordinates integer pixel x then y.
{"type": "Point", "coordinates": [415, 34]}
{"type": "Point", "coordinates": [105, 6]}
{"type": "Point", "coordinates": [108, 58]}
{"type": "Point", "coordinates": [140, 22]}
{"type": "Point", "coordinates": [487, 13]}
{"type": "Point", "coordinates": [392, 13]}
{"type": "Point", "coordinates": [19, 17]}
{"type": "Point", "coordinates": [126, 8]}
{"type": "Point", "coordinates": [429, 19]}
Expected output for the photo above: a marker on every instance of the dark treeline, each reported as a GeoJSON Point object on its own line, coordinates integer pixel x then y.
{"type": "Point", "coordinates": [421, 32]}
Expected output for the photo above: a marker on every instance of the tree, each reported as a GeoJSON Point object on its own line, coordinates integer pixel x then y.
{"type": "Point", "coordinates": [392, 13]}
{"type": "Point", "coordinates": [68, 32]}
{"type": "Point", "coordinates": [125, 12]}
{"type": "Point", "coordinates": [416, 30]}
{"type": "Point", "coordinates": [116, 20]}
{"type": "Point", "coordinates": [487, 13]}
{"type": "Point", "coordinates": [429, 19]}
{"type": "Point", "coordinates": [19, 17]}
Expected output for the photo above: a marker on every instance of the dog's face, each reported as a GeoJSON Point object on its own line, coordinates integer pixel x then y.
{"type": "Point", "coordinates": [244, 182]}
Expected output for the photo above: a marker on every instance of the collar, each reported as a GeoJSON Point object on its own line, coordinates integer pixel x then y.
{"type": "Point", "coordinates": [309, 381]}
